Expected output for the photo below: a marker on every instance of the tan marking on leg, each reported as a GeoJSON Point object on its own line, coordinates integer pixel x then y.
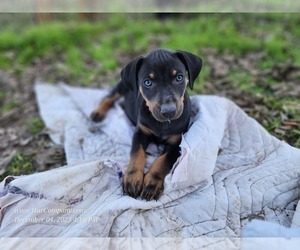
{"type": "Point", "coordinates": [107, 103]}
{"type": "Point", "coordinates": [99, 113]}
{"type": "Point", "coordinates": [154, 180]}
{"type": "Point", "coordinates": [132, 182]}
{"type": "Point", "coordinates": [138, 160]}
{"type": "Point", "coordinates": [158, 167]}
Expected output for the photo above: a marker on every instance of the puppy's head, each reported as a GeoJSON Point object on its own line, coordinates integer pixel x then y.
{"type": "Point", "coordinates": [162, 77]}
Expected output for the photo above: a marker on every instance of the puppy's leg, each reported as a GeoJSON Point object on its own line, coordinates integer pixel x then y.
{"type": "Point", "coordinates": [133, 179]}
{"type": "Point", "coordinates": [154, 180]}
{"type": "Point", "coordinates": [99, 113]}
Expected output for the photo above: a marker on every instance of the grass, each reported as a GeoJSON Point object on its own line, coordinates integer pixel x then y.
{"type": "Point", "coordinates": [2, 96]}
{"type": "Point", "coordinates": [21, 164]}
{"type": "Point", "coordinates": [8, 106]}
{"type": "Point", "coordinates": [35, 126]}
{"type": "Point", "coordinates": [243, 81]}
{"type": "Point", "coordinates": [101, 41]}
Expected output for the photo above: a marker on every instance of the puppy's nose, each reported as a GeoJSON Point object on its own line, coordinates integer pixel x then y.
{"type": "Point", "coordinates": [168, 110]}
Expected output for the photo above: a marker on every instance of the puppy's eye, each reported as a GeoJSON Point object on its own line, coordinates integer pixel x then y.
{"type": "Point", "coordinates": [147, 83]}
{"type": "Point", "coordinates": [179, 78]}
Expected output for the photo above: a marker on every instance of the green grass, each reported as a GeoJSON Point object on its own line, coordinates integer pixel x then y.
{"type": "Point", "coordinates": [244, 81]}
{"type": "Point", "coordinates": [116, 33]}
{"type": "Point", "coordinates": [5, 62]}
{"type": "Point", "coordinates": [21, 164]}
{"type": "Point", "coordinates": [74, 60]}
{"type": "Point", "coordinates": [2, 96]}
{"type": "Point", "coordinates": [35, 126]}
{"type": "Point", "coordinates": [9, 106]}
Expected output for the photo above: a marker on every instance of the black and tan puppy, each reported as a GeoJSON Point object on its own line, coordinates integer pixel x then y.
{"type": "Point", "coordinates": [156, 101]}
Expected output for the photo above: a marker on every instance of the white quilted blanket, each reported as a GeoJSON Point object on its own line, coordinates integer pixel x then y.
{"type": "Point", "coordinates": [231, 171]}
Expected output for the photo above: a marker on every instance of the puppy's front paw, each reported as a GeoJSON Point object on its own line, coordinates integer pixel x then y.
{"type": "Point", "coordinates": [97, 116]}
{"type": "Point", "coordinates": [153, 186]}
{"type": "Point", "coordinates": [132, 183]}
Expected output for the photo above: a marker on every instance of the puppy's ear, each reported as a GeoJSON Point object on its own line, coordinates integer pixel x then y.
{"type": "Point", "coordinates": [192, 63]}
{"type": "Point", "coordinates": [130, 72]}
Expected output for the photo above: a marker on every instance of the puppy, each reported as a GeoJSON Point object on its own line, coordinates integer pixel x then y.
{"type": "Point", "coordinates": [157, 103]}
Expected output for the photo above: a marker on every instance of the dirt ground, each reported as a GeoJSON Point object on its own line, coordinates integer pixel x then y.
{"type": "Point", "coordinates": [24, 142]}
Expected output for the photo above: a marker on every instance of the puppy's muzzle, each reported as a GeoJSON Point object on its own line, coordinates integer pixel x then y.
{"type": "Point", "coordinates": [168, 110]}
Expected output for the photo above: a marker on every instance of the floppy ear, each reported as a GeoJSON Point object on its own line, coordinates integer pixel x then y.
{"type": "Point", "coordinates": [192, 63]}
{"type": "Point", "coordinates": [130, 72]}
